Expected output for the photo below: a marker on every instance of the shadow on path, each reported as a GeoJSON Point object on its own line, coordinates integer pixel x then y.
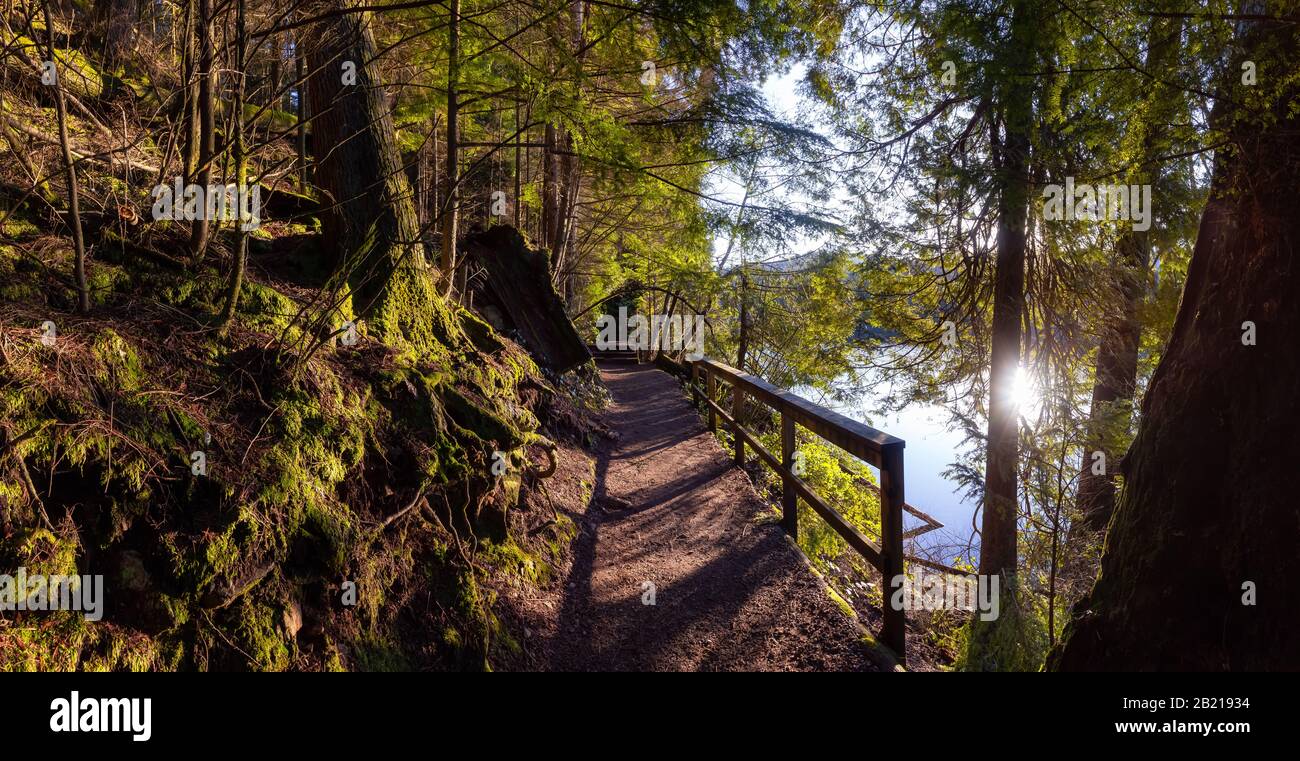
{"type": "Point", "coordinates": [728, 592]}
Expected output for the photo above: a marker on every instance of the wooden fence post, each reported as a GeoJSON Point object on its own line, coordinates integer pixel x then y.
{"type": "Point", "coordinates": [789, 499]}
{"type": "Point", "coordinates": [894, 630]}
{"type": "Point", "coordinates": [738, 404]}
{"type": "Point", "coordinates": [711, 389]}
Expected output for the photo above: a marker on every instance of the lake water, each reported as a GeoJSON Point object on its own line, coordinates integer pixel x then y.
{"type": "Point", "coordinates": [931, 448]}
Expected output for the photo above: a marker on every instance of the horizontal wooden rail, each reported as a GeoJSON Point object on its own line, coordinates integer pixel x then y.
{"type": "Point", "coordinates": [861, 441]}
{"type": "Point", "coordinates": [932, 565]}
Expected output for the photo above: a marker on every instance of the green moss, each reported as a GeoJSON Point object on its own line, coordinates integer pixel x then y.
{"type": "Point", "coordinates": [64, 641]}
{"type": "Point", "coordinates": [40, 551]}
{"type": "Point", "coordinates": [411, 402]}
{"type": "Point", "coordinates": [105, 281]}
{"type": "Point", "coordinates": [120, 361]}
{"type": "Point", "coordinates": [177, 610]}
{"type": "Point", "coordinates": [223, 553]}
{"type": "Point", "coordinates": [461, 593]}
{"type": "Point", "coordinates": [278, 119]}
{"type": "Point", "coordinates": [504, 640]}
{"type": "Point", "coordinates": [76, 72]}
{"type": "Point", "coordinates": [479, 333]}
{"type": "Point", "coordinates": [481, 421]}
{"type": "Point", "coordinates": [427, 415]}
{"type": "Point", "coordinates": [512, 562]}
{"type": "Point", "coordinates": [19, 280]}
{"type": "Point", "coordinates": [319, 440]}
{"type": "Point", "coordinates": [191, 429]}
{"type": "Point", "coordinates": [841, 603]}
{"type": "Point", "coordinates": [376, 655]}
{"type": "Point", "coordinates": [563, 532]}
{"type": "Point", "coordinates": [119, 651]}
{"type": "Point", "coordinates": [195, 294]}
{"type": "Point", "coordinates": [54, 644]}
{"type": "Point", "coordinates": [260, 634]}
{"type": "Point", "coordinates": [411, 317]}
{"type": "Point", "coordinates": [333, 660]}
{"type": "Point", "coordinates": [266, 309]}
{"type": "Point", "coordinates": [17, 226]}
{"type": "Point", "coordinates": [332, 532]}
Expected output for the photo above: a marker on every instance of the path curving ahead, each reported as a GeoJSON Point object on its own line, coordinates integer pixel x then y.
{"type": "Point", "coordinates": [670, 510]}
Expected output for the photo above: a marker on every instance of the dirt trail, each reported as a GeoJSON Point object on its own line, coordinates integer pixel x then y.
{"type": "Point", "coordinates": [671, 511]}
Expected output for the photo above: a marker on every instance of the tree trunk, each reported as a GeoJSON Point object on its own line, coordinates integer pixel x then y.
{"type": "Point", "coordinates": [272, 94]}
{"type": "Point", "coordinates": [568, 203]}
{"type": "Point", "coordinates": [451, 216]}
{"type": "Point", "coordinates": [373, 223]}
{"type": "Point", "coordinates": [70, 170]}
{"type": "Point", "coordinates": [550, 192]}
{"type": "Point", "coordinates": [300, 143]}
{"type": "Point", "coordinates": [1115, 378]}
{"type": "Point", "coordinates": [435, 204]}
{"type": "Point", "coordinates": [996, 644]}
{"type": "Point", "coordinates": [570, 183]}
{"type": "Point", "coordinates": [236, 277]}
{"type": "Point", "coordinates": [420, 182]}
{"type": "Point", "coordinates": [518, 199]}
{"type": "Point", "coordinates": [1208, 509]}
{"type": "Point", "coordinates": [205, 111]}
{"type": "Point", "coordinates": [742, 344]}
{"type": "Point", "coordinates": [998, 554]}
{"type": "Point", "coordinates": [190, 127]}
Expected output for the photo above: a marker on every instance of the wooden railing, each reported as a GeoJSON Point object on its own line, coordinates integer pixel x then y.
{"type": "Point", "coordinates": [866, 443]}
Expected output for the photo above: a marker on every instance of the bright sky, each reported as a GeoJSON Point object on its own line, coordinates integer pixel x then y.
{"type": "Point", "coordinates": [783, 100]}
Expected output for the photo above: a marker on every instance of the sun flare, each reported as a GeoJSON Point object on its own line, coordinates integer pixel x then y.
{"type": "Point", "coordinates": [1024, 391]}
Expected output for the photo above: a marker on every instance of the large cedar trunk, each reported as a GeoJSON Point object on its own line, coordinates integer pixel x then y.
{"type": "Point", "coordinates": [374, 225]}
{"type": "Point", "coordinates": [1209, 506]}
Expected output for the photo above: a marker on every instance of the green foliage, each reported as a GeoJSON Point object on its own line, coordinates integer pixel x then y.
{"type": "Point", "coordinates": [844, 483]}
{"type": "Point", "coordinates": [1015, 641]}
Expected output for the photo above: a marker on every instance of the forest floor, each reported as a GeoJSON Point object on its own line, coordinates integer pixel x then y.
{"type": "Point", "coordinates": [669, 510]}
